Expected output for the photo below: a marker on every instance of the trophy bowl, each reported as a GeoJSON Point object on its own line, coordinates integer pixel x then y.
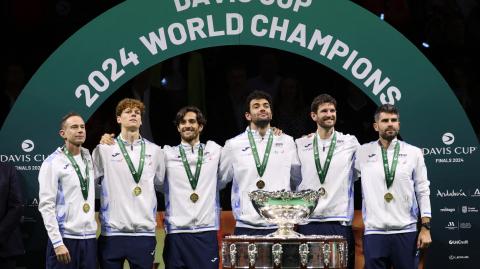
{"type": "Point", "coordinates": [285, 209]}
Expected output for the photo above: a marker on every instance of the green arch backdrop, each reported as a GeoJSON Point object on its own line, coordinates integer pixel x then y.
{"type": "Point", "coordinates": [122, 42]}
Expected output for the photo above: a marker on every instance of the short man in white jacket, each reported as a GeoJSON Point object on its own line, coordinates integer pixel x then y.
{"type": "Point", "coordinates": [67, 200]}
{"type": "Point", "coordinates": [395, 194]}
{"type": "Point", "coordinates": [191, 196]}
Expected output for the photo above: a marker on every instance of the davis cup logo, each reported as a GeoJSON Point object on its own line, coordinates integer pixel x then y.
{"type": "Point", "coordinates": [28, 145]}
{"type": "Point", "coordinates": [448, 138]}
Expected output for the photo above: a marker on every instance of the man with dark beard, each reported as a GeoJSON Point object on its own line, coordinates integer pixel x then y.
{"type": "Point", "coordinates": [191, 196]}
{"type": "Point", "coordinates": [257, 160]}
{"type": "Point", "coordinates": [327, 160]}
{"type": "Point", "coordinates": [395, 192]}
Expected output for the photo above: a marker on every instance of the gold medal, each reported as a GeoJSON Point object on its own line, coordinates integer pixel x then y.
{"type": "Point", "coordinates": [322, 191]}
{"type": "Point", "coordinates": [194, 197]}
{"type": "Point", "coordinates": [137, 191]}
{"type": "Point", "coordinates": [86, 207]}
{"type": "Point", "coordinates": [260, 184]}
{"type": "Point", "coordinates": [388, 197]}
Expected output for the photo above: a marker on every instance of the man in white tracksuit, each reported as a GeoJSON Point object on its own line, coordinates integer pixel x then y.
{"type": "Point", "coordinates": [327, 160]}
{"type": "Point", "coordinates": [128, 171]}
{"type": "Point", "coordinates": [191, 196]}
{"type": "Point", "coordinates": [395, 194]}
{"type": "Point", "coordinates": [257, 160]}
{"type": "Point", "coordinates": [67, 200]}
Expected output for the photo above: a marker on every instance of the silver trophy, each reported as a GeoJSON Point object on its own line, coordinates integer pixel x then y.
{"type": "Point", "coordinates": [285, 209]}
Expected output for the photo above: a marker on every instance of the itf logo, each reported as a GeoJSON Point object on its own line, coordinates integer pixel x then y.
{"type": "Point", "coordinates": [28, 145]}
{"type": "Point", "coordinates": [448, 138]}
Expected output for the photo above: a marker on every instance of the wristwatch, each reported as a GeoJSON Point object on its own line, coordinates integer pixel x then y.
{"type": "Point", "coordinates": [426, 225]}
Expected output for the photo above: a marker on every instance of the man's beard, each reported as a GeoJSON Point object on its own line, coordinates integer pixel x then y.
{"type": "Point", "coordinates": [188, 138]}
{"type": "Point", "coordinates": [387, 136]}
{"type": "Point", "coordinates": [262, 123]}
{"type": "Point", "coordinates": [327, 126]}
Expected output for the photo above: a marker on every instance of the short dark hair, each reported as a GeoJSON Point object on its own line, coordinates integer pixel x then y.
{"type": "Point", "coordinates": [66, 117]}
{"type": "Point", "coordinates": [386, 108]}
{"type": "Point", "coordinates": [129, 103]}
{"type": "Point", "coordinates": [184, 110]}
{"type": "Point", "coordinates": [255, 95]}
{"type": "Point", "coordinates": [322, 99]}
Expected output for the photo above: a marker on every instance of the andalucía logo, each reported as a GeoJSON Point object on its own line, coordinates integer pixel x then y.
{"type": "Point", "coordinates": [451, 193]}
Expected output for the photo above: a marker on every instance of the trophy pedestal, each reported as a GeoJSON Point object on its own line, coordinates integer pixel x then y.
{"type": "Point", "coordinates": [271, 252]}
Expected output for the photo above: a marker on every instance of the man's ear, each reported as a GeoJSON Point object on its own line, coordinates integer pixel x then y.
{"type": "Point", "coordinates": [248, 116]}
{"type": "Point", "coordinates": [62, 133]}
{"type": "Point", "coordinates": [375, 126]}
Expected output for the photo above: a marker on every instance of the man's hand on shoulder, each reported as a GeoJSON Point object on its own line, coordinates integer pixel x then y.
{"type": "Point", "coordinates": [107, 139]}
{"type": "Point", "coordinates": [276, 131]}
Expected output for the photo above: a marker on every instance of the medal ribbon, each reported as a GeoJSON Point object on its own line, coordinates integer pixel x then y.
{"type": "Point", "coordinates": [193, 180]}
{"type": "Point", "coordinates": [260, 167]}
{"type": "Point", "coordinates": [390, 173]}
{"type": "Point", "coordinates": [83, 181]}
{"type": "Point", "coordinates": [136, 175]}
{"type": "Point", "coordinates": [322, 173]}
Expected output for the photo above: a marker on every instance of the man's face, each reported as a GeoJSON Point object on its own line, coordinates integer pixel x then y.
{"type": "Point", "coordinates": [260, 112]}
{"type": "Point", "coordinates": [387, 126]}
{"type": "Point", "coordinates": [326, 115]}
{"type": "Point", "coordinates": [73, 131]}
{"type": "Point", "coordinates": [131, 118]}
{"type": "Point", "coordinates": [189, 128]}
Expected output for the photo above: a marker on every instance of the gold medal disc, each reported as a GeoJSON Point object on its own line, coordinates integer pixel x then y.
{"type": "Point", "coordinates": [260, 184]}
{"type": "Point", "coordinates": [194, 197]}
{"type": "Point", "coordinates": [137, 191]}
{"type": "Point", "coordinates": [86, 207]}
{"type": "Point", "coordinates": [322, 191]}
{"type": "Point", "coordinates": [388, 197]}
